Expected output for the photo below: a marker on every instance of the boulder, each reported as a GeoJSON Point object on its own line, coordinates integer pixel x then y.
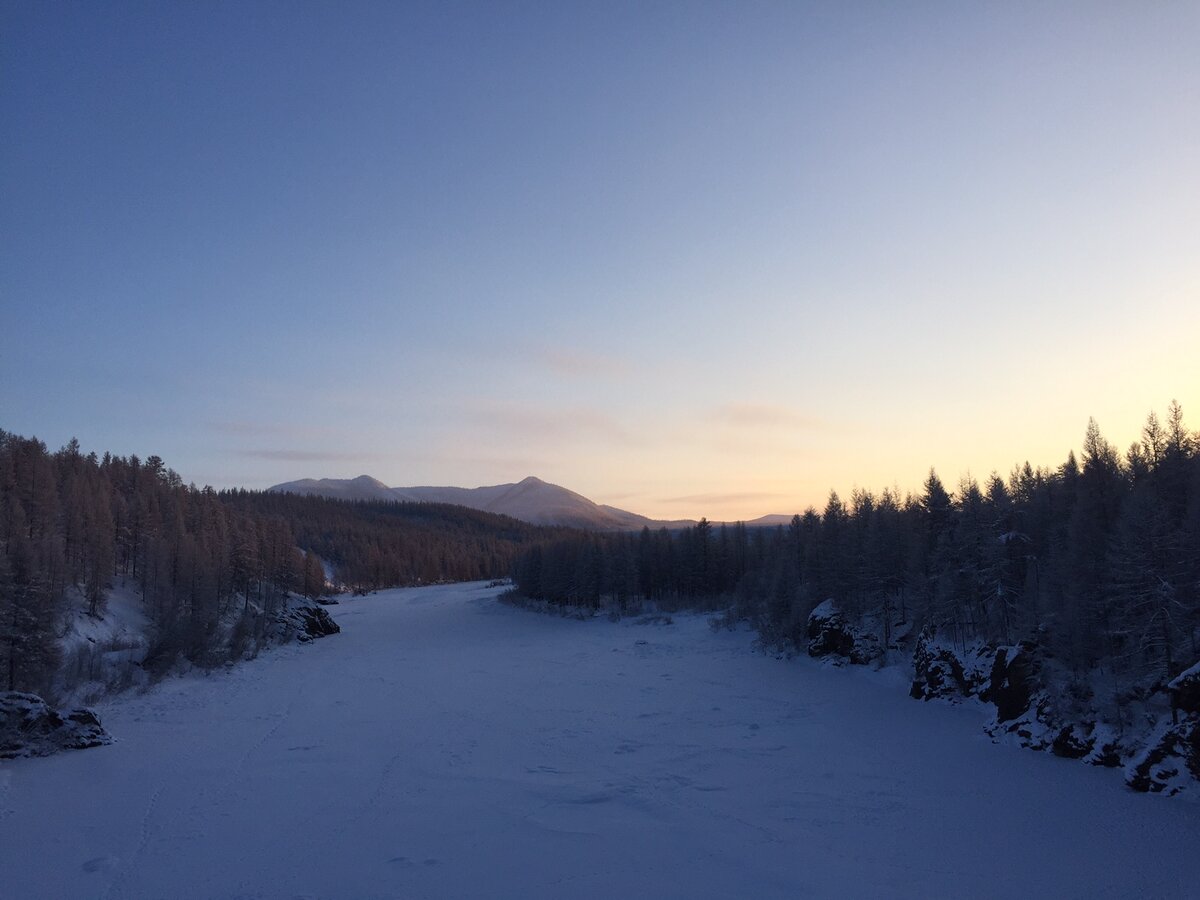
{"type": "Point", "coordinates": [306, 621]}
{"type": "Point", "coordinates": [941, 671]}
{"type": "Point", "coordinates": [30, 727]}
{"type": "Point", "coordinates": [937, 671]}
{"type": "Point", "coordinates": [317, 623]}
{"type": "Point", "coordinates": [829, 634]}
{"type": "Point", "coordinates": [1037, 727]}
{"type": "Point", "coordinates": [1012, 682]}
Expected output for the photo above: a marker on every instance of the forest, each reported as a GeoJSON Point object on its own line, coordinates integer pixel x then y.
{"type": "Point", "coordinates": [1096, 562]}
{"type": "Point", "coordinates": [70, 523]}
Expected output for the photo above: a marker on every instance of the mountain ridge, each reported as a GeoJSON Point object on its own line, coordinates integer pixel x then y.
{"type": "Point", "coordinates": [531, 500]}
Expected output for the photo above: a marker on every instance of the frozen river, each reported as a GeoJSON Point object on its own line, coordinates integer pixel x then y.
{"type": "Point", "coordinates": [445, 745]}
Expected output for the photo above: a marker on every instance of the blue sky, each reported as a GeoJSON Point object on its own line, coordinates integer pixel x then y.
{"type": "Point", "coordinates": [693, 259]}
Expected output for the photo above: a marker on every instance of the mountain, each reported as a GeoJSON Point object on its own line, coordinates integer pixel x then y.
{"type": "Point", "coordinates": [364, 487]}
{"type": "Point", "coordinates": [768, 521]}
{"type": "Point", "coordinates": [531, 500]}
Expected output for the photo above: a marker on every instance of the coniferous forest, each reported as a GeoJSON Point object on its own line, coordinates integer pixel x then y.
{"type": "Point", "coordinates": [71, 523]}
{"type": "Point", "coordinates": [1095, 562]}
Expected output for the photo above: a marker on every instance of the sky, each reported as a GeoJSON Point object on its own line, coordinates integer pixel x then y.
{"type": "Point", "coordinates": [684, 258]}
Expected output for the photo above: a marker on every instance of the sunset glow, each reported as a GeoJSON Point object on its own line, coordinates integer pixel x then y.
{"type": "Point", "coordinates": [693, 261]}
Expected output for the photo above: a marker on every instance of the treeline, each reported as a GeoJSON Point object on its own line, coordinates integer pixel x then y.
{"type": "Point", "coordinates": [1098, 561]}
{"type": "Point", "coordinates": [211, 568]}
{"type": "Point", "coordinates": [374, 544]}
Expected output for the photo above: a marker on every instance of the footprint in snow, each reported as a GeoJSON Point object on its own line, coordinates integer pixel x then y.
{"type": "Point", "coordinates": [101, 864]}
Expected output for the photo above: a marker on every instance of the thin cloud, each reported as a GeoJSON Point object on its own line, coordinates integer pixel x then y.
{"type": "Point", "coordinates": [765, 415]}
{"type": "Point", "coordinates": [308, 456]}
{"type": "Point", "coordinates": [720, 499]}
{"type": "Point", "coordinates": [613, 499]}
{"type": "Point", "coordinates": [247, 428]}
{"type": "Point", "coordinates": [551, 424]}
{"type": "Point", "coordinates": [514, 463]}
{"type": "Point", "coordinates": [580, 363]}
{"type": "Point", "coordinates": [489, 469]}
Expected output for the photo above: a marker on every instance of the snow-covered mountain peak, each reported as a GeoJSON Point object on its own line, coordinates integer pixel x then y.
{"type": "Point", "coordinates": [531, 500]}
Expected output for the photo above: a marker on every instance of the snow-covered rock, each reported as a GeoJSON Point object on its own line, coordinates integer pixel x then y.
{"type": "Point", "coordinates": [829, 634]}
{"type": "Point", "coordinates": [1185, 690]}
{"type": "Point", "coordinates": [1169, 764]}
{"type": "Point", "coordinates": [941, 671]}
{"type": "Point", "coordinates": [1009, 679]}
{"type": "Point", "coordinates": [1106, 747]}
{"type": "Point", "coordinates": [1030, 713]}
{"type": "Point", "coordinates": [1036, 727]}
{"type": "Point", "coordinates": [1074, 741]}
{"type": "Point", "coordinates": [1006, 677]}
{"type": "Point", "coordinates": [30, 727]}
{"type": "Point", "coordinates": [1013, 681]}
{"type": "Point", "coordinates": [304, 621]}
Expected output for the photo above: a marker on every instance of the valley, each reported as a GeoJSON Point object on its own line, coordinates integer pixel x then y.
{"type": "Point", "coordinates": [444, 742]}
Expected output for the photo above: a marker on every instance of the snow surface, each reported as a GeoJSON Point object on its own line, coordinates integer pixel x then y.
{"type": "Point", "coordinates": [446, 745]}
{"type": "Point", "coordinates": [123, 621]}
{"type": "Point", "coordinates": [103, 655]}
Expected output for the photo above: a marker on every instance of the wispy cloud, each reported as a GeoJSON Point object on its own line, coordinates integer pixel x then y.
{"type": "Point", "coordinates": [765, 415]}
{"type": "Point", "coordinates": [489, 469]}
{"type": "Point", "coordinates": [579, 363]}
{"type": "Point", "coordinates": [722, 499]}
{"type": "Point", "coordinates": [613, 499]}
{"type": "Point", "coordinates": [309, 456]}
{"type": "Point", "coordinates": [247, 428]}
{"type": "Point", "coordinates": [530, 423]}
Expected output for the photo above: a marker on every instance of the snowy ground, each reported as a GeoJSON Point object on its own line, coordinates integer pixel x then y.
{"type": "Point", "coordinates": [445, 745]}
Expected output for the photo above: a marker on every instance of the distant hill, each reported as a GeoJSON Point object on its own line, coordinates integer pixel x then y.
{"type": "Point", "coordinates": [530, 500]}
{"type": "Point", "coordinates": [768, 521]}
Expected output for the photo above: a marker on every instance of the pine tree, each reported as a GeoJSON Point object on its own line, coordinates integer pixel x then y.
{"type": "Point", "coordinates": [314, 576]}
{"type": "Point", "coordinates": [1147, 617]}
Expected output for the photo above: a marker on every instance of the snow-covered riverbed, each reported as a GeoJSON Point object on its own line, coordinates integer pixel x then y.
{"type": "Point", "coordinates": [444, 745]}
